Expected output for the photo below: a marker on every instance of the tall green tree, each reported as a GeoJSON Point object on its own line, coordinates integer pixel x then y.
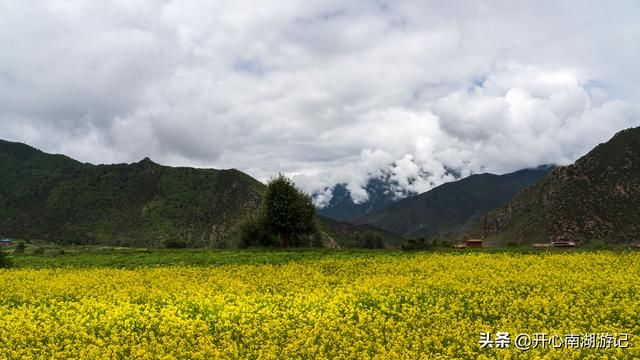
{"type": "Point", "coordinates": [288, 211]}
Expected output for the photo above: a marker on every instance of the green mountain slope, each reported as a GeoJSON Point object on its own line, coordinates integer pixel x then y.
{"type": "Point", "coordinates": [340, 234]}
{"type": "Point", "coordinates": [597, 198]}
{"type": "Point", "coordinates": [454, 207]}
{"type": "Point", "coordinates": [53, 197]}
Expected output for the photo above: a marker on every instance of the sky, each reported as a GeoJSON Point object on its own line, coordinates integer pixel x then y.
{"type": "Point", "coordinates": [323, 91]}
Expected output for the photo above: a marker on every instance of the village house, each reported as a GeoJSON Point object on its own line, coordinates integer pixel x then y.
{"type": "Point", "coordinates": [473, 242]}
{"type": "Point", "coordinates": [5, 243]}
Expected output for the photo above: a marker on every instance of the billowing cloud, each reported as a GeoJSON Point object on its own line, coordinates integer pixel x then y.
{"type": "Point", "coordinates": [329, 92]}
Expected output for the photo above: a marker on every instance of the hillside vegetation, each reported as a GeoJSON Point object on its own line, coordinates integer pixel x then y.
{"type": "Point", "coordinates": [341, 234]}
{"type": "Point", "coordinates": [595, 199]}
{"type": "Point", "coordinates": [55, 198]}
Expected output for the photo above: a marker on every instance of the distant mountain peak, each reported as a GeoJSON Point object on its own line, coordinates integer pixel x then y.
{"type": "Point", "coordinates": [381, 192]}
{"type": "Point", "coordinates": [147, 161]}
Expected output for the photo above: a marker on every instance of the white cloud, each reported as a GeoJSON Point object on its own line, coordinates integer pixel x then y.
{"type": "Point", "coordinates": [329, 91]}
{"type": "Point", "coordinates": [518, 117]}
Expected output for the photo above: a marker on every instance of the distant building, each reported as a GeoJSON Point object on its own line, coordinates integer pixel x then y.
{"type": "Point", "coordinates": [5, 242]}
{"type": "Point", "coordinates": [473, 242]}
{"type": "Point", "coordinates": [563, 244]}
{"type": "Point", "coordinates": [459, 246]}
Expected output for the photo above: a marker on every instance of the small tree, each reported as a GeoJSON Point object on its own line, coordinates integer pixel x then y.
{"type": "Point", "coordinates": [288, 211]}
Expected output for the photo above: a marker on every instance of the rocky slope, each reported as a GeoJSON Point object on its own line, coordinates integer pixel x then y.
{"type": "Point", "coordinates": [595, 199]}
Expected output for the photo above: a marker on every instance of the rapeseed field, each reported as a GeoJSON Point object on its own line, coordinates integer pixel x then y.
{"type": "Point", "coordinates": [425, 305]}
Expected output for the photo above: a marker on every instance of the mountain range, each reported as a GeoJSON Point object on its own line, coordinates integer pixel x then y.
{"type": "Point", "coordinates": [58, 199]}
{"type": "Point", "coordinates": [453, 208]}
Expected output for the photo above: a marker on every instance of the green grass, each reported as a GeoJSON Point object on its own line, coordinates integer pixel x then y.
{"type": "Point", "coordinates": [132, 258]}
{"type": "Point", "coordinates": [90, 257]}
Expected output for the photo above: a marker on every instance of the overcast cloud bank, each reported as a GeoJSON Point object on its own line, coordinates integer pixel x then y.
{"type": "Point", "coordinates": [328, 92]}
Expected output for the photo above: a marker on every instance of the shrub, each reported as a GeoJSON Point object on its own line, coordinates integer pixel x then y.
{"type": "Point", "coordinates": [254, 232]}
{"type": "Point", "coordinates": [20, 248]}
{"type": "Point", "coordinates": [5, 262]}
{"type": "Point", "coordinates": [421, 243]}
{"type": "Point", "coordinates": [597, 245]}
{"type": "Point", "coordinates": [175, 244]}
{"type": "Point", "coordinates": [372, 241]}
